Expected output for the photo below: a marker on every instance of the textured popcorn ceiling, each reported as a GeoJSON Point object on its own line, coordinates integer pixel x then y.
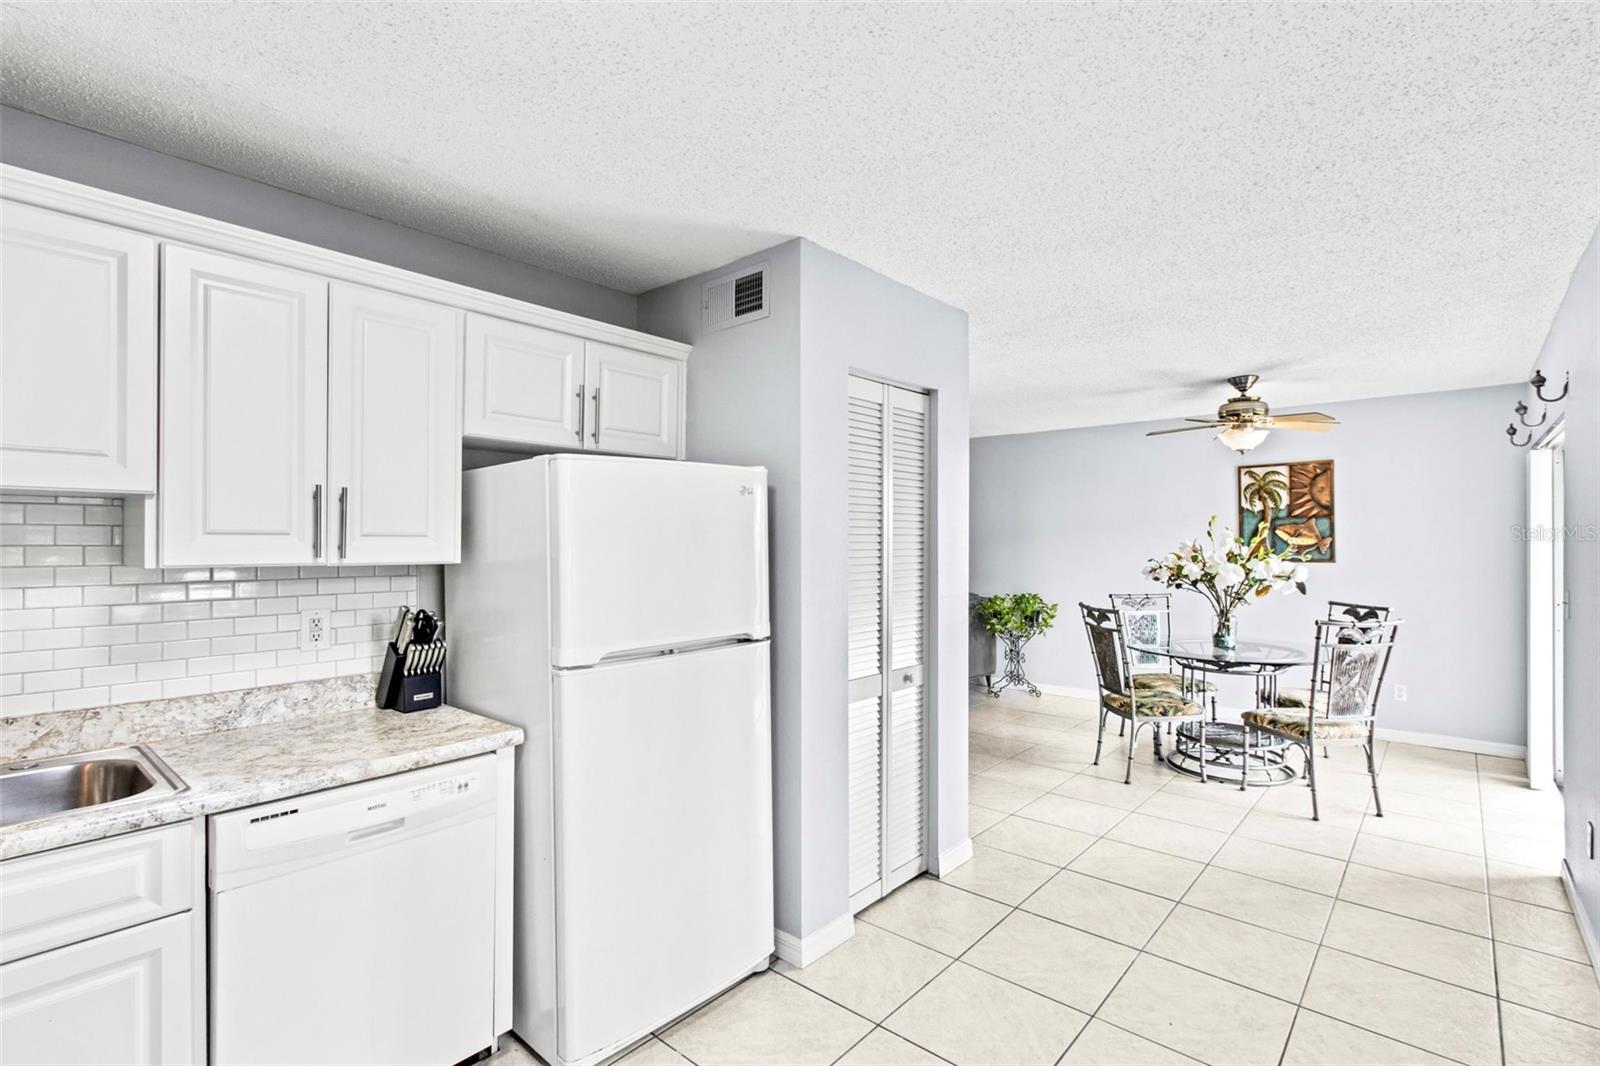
{"type": "Point", "coordinates": [1132, 201]}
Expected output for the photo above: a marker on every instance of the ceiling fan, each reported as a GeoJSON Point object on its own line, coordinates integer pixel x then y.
{"type": "Point", "coordinates": [1243, 421]}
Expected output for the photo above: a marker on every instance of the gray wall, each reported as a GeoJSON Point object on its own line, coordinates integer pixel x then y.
{"type": "Point", "coordinates": [774, 392]}
{"type": "Point", "coordinates": [1573, 346]}
{"type": "Point", "coordinates": [857, 320]}
{"type": "Point", "coordinates": [75, 154]}
{"type": "Point", "coordinates": [744, 407]}
{"type": "Point", "coordinates": [1426, 494]}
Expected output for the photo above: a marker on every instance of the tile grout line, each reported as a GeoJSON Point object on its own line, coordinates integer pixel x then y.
{"type": "Point", "coordinates": [1488, 905]}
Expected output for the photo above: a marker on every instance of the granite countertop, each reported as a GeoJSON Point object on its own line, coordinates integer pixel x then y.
{"type": "Point", "coordinates": [228, 768]}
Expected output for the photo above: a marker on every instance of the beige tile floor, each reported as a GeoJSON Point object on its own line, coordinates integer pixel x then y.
{"type": "Point", "coordinates": [1169, 921]}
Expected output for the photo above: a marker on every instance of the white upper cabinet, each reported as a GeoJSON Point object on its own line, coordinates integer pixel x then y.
{"type": "Point", "coordinates": [244, 395]}
{"type": "Point", "coordinates": [635, 401]}
{"type": "Point", "coordinates": [394, 433]}
{"type": "Point", "coordinates": [77, 354]}
{"type": "Point", "coordinates": [524, 385]}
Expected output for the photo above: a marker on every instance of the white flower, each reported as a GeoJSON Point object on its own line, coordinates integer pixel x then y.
{"type": "Point", "coordinates": [1260, 570]}
{"type": "Point", "coordinates": [1193, 570]}
{"type": "Point", "coordinates": [1229, 575]}
{"type": "Point", "coordinates": [1299, 575]}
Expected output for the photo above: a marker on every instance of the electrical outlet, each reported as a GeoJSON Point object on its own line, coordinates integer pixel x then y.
{"type": "Point", "coordinates": [316, 630]}
{"type": "Point", "coordinates": [1399, 693]}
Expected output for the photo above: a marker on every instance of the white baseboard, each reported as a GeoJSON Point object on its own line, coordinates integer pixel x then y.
{"type": "Point", "coordinates": [1067, 690]}
{"type": "Point", "coordinates": [1403, 736]}
{"type": "Point", "coordinates": [951, 858]}
{"type": "Point", "coordinates": [803, 951]}
{"type": "Point", "coordinates": [1438, 740]}
{"type": "Point", "coordinates": [1585, 930]}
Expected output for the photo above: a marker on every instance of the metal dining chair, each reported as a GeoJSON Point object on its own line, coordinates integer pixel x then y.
{"type": "Point", "coordinates": [1347, 672]}
{"type": "Point", "coordinates": [1338, 611]}
{"type": "Point", "coordinates": [1120, 695]}
{"type": "Point", "coordinates": [1147, 619]}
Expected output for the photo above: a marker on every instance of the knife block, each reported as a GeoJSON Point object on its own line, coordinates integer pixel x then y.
{"type": "Point", "coordinates": [400, 691]}
{"type": "Point", "coordinates": [419, 692]}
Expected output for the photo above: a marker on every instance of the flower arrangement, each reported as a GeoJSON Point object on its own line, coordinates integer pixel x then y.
{"type": "Point", "coordinates": [1228, 572]}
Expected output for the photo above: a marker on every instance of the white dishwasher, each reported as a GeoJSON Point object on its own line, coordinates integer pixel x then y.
{"type": "Point", "coordinates": [356, 925]}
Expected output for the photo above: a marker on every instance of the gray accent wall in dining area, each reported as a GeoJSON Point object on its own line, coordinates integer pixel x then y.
{"type": "Point", "coordinates": [1428, 498]}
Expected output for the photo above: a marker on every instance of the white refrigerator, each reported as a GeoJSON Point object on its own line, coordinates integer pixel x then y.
{"type": "Point", "coordinates": [616, 609]}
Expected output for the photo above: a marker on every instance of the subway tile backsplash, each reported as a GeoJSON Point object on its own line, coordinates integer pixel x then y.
{"type": "Point", "coordinates": [80, 629]}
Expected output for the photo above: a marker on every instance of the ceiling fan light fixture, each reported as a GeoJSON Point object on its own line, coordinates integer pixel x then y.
{"type": "Point", "coordinates": [1242, 438]}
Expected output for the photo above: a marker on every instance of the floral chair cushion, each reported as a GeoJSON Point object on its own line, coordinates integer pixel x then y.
{"type": "Point", "coordinates": [1153, 704]}
{"type": "Point", "coordinates": [1168, 683]}
{"type": "Point", "coordinates": [1294, 726]}
{"type": "Point", "coordinates": [1294, 697]}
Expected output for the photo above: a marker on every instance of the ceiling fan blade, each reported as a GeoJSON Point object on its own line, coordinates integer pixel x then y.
{"type": "Point", "coordinates": [1299, 424]}
{"type": "Point", "coordinates": [1207, 421]}
{"type": "Point", "coordinates": [1182, 429]}
{"type": "Point", "coordinates": [1306, 416]}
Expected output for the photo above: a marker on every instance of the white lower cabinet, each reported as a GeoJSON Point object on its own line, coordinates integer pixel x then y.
{"type": "Point", "coordinates": [124, 997]}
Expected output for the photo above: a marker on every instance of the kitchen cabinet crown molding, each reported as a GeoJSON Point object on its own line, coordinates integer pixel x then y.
{"type": "Point", "coordinates": [166, 223]}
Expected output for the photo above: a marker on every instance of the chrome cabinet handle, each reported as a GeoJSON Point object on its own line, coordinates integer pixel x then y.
{"type": "Point", "coordinates": [596, 432]}
{"type": "Point", "coordinates": [579, 395]}
{"type": "Point", "coordinates": [344, 517]}
{"type": "Point", "coordinates": [316, 522]}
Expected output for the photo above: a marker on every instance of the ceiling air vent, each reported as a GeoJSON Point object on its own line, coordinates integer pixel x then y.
{"type": "Point", "coordinates": [739, 296]}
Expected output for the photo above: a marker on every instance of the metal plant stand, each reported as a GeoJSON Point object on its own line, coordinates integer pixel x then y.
{"type": "Point", "coordinates": [1015, 674]}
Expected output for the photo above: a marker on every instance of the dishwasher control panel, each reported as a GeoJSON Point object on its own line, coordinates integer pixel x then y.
{"type": "Point", "coordinates": [351, 815]}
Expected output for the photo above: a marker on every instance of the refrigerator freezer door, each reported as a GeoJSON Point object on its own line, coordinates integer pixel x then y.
{"type": "Point", "coordinates": [663, 839]}
{"type": "Point", "coordinates": [654, 554]}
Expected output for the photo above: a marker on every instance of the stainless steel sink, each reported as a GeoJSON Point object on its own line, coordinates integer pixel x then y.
{"type": "Point", "coordinates": [30, 790]}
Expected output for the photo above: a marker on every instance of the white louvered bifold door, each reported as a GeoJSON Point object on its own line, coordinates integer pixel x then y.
{"type": "Point", "coordinates": [903, 853]}
{"type": "Point", "coordinates": [887, 579]}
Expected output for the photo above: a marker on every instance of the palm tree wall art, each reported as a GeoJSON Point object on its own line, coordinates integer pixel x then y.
{"type": "Point", "coordinates": [1294, 503]}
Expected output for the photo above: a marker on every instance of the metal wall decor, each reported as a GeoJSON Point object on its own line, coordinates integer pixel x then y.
{"type": "Point", "coordinates": [1538, 381]}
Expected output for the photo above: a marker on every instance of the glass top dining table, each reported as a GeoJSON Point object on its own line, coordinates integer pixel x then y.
{"type": "Point", "coordinates": [1200, 653]}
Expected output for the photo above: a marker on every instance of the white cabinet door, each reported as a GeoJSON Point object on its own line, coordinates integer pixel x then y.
{"type": "Point", "coordinates": [524, 384]}
{"type": "Point", "coordinates": [244, 397]}
{"type": "Point", "coordinates": [77, 355]}
{"type": "Point", "coordinates": [124, 997]}
{"type": "Point", "coordinates": [394, 430]}
{"type": "Point", "coordinates": [635, 401]}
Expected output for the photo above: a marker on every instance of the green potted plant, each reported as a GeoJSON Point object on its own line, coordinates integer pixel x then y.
{"type": "Point", "coordinates": [1016, 619]}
